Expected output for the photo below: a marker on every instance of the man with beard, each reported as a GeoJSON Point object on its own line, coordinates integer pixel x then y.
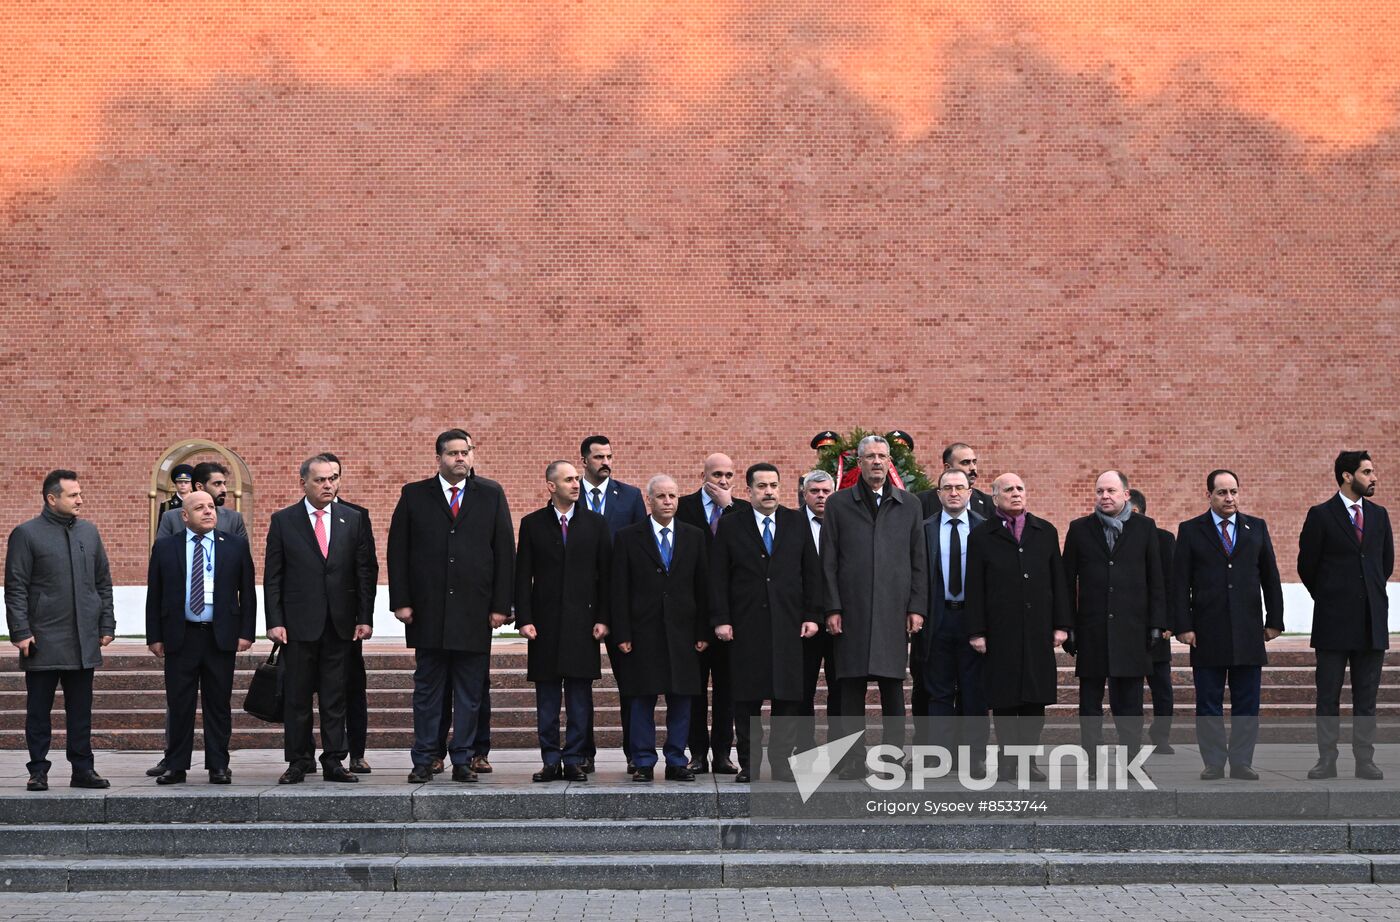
{"type": "Point", "coordinates": [1018, 612]}
{"type": "Point", "coordinates": [620, 504]}
{"type": "Point", "coordinates": [1114, 570]}
{"type": "Point", "coordinates": [1346, 552]}
{"type": "Point", "coordinates": [1224, 564]}
{"type": "Point", "coordinates": [959, 456]}
{"type": "Point", "coordinates": [209, 477]}
{"type": "Point", "coordinates": [876, 592]}
{"type": "Point", "coordinates": [765, 588]}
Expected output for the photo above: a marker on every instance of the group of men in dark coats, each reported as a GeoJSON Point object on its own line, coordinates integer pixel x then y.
{"type": "Point", "coordinates": [857, 582]}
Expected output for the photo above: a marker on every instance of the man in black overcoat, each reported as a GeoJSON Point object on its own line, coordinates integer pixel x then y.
{"type": "Point", "coordinates": [660, 623]}
{"type": "Point", "coordinates": [1018, 612]}
{"type": "Point", "coordinates": [318, 593]}
{"type": "Point", "coordinates": [765, 592]}
{"type": "Point", "coordinates": [712, 721]}
{"type": "Point", "coordinates": [1159, 680]}
{"type": "Point", "coordinates": [1346, 552]}
{"type": "Point", "coordinates": [1114, 570]}
{"type": "Point", "coordinates": [451, 575]}
{"type": "Point", "coordinates": [562, 567]}
{"type": "Point", "coordinates": [1225, 565]}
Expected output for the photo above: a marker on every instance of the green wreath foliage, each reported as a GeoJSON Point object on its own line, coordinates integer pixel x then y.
{"type": "Point", "coordinates": [910, 471]}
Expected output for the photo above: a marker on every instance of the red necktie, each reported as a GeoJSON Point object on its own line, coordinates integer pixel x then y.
{"type": "Point", "coordinates": [1225, 537]}
{"type": "Point", "coordinates": [1357, 521]}
{"type": "Point", "coordinates": [322, 538]}
{"type": "Point", "coordinates": [455, 502]}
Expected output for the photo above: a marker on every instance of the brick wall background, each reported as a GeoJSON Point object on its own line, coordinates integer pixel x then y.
{"type": "Point", "coordinates": [1078, 235]}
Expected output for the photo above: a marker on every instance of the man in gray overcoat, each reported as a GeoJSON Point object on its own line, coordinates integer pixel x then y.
{"type": "Point", "coordinates": [58, 602]}
{"type": "Point", "coordinates": [874, 565]}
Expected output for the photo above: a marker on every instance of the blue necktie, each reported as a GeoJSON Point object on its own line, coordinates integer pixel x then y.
{"type": "Point", "coordinates": [768, 534]}
{"type": "Point", "coordinates": [666, 548]}
{"type": "Point", "coordinates": [597, 498]}
{"type": "Point", "coordinates": [197, 577]}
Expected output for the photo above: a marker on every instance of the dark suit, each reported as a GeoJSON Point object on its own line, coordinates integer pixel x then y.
{"type": "Point", "coordinates": [1218, 596]}
{"type": "Point", "coordinates": [977, 502]}
{"type": "Point", "coordinates": [947, 668]}
{"type": "Point", "coordinates": [1159, 681]}
{"type": "Point", "coordinates": [357, 695]}
{"type": "Point", "coordinates": [1346, 579]}
{"type": "Point", "coordinates": [1017, 598]}
{"type": "Point", "coordinates": [1118, 598]}
{"type": "Point", "coordinates": [623, 507]}
{"type": "Point", "coordinates": [818, 654]}
{"type": "Point", "coordinates": [172, 522]}
{"type": "Point", "coordinates": [319, 601]}
{"type": "Point", "coordinates": [562, 590]}
{"type": "Point", "coordinates": [711, 722]}
{"type": "Point", "coordinates": [453, 572]}
{"type": "Point", "coordinates": [199, 659]}
{"type": "Point", "coordinates": [662, 612]}
{"type": "Point", "coordinates": [765, 598]}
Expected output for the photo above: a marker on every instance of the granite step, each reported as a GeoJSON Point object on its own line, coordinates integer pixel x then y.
{"type": "Point", "coordinates": [683, 870]}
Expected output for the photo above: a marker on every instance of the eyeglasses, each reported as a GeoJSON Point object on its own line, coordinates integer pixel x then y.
{"type": "Point", "coordinates": [954, 488]}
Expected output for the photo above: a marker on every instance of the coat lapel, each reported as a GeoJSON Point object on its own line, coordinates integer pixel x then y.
{"type": "Point", "coordinates": [220, 565]}
{"type": "Point", "coordinates": [1342, 516]}
{"type": "Point", "coordinates": [651, 546]}
{"type": "Point", "coordinates": [304, 529]}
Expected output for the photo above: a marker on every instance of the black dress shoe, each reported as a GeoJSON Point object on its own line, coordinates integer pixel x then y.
{"type": "Point", "coordinates": [1212, 773]}
{"type": "Point", "coordinates": [1034, 772]}
{"type": "Point", "coordinates": [171, 777]}
{"type": "Point", "coordinates": [852, 772]}
{"type": "Point", "coordinates": [421, 774]}
{"type": "Point", "coordinates": [293, 774]}
{"type": "Point", "coordinates": [699, 766]}
{"type": "Point", "coordinates": [360, 767]}
{"type": "Point", "coordinates": [220, 776]}
{"type": "Point", "coordinates": [155, 771]}
{"type": "Point", "coordinates": [87, 778]}
{"type": "Point", "coordinates": [339, 774]}
{"type": "Point", "coordinates": [437, 766]}
{"type": "Point", "coordinates": [978, 768]}
{"type": "Point", "coordinates": [642, 774]}
{"type": "Point", "coordinates": [587, 766]}
{"type": "Point", "coordinates": [1243, 773]}
{"type": "Point", "coordinates": [307, 766]}
{"type": "Point", "coordinates": [783, 774]}
{"type": "Point", "coordinates": [724, 767]}
{"type": "Point", "coordinates": [463, 773]}
{"type": "Point", "coordinates": [548, 773]}
{"type": "Point", "coordinates": [1325, 768]}
{"type": "Point", "coordinates": [38, 781]}
{"type": "Point", "coordinates": [679, 773]}
{"type": "Point", "coordinates": [575, 773]}
{"type": "Point", "coordinates": [742, 777]}
{"type": "Point", "coordinates": [1369, 771]}
{"type": "Point", "coordinates": [631, 767]}
{"type": "Point", "coordinates": [1163, 749]}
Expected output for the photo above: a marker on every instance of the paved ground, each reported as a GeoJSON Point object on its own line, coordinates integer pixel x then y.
{"type": "Point", "coordinates": [994, 904]}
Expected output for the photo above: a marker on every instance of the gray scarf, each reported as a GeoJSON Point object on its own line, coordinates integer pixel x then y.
{"type": "Point", "coordinates": [1113, 524]}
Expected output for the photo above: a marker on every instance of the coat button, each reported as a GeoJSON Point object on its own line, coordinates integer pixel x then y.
{"type": "Point", "coordinates": [1028, 604]}
{"type": "Point", "coordinates": [1110, 614]}
{"type": "Point", "coordinates": [451, 591]}
{"type": "Point", "coordinates": [452, 560]}
{"type": "Point", "coordinates": [452, 531]}
{"type": "Point", "coordinates": [1229, 585]}
{"type": "Point", "coordinates": [1026, 575]}
{"type": "Point", "coordinates": [1020, 550]}
{"type": "Point", "coordinates": [1229, 566]}
{"type": "Point", "coordinates": [1110, 563]}
{"type": "Point", "coordinates": [658, 569]}
{"type": "Point", "coordinates": [1110, 589]}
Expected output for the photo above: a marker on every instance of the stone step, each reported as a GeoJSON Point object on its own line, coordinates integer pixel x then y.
{"type": "Point", "coordinates": [118, 699]}
{"type": "Point", "coordinates": [579, 836]}
{"type": "Point", "coordinates": [510, 654]}
{"type": "Point", "coordinates": [684, 870]}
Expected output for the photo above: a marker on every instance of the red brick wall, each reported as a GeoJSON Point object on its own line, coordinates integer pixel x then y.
{"type": "Point", "coordinates": [1098, 236]}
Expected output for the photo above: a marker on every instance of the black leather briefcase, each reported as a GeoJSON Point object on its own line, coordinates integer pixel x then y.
{"type": "Point", "coordinates": [264, 700]}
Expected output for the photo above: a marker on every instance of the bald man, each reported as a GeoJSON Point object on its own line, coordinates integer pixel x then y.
{"type": "Point", "coordinates": [201, 610]}
{"type": "Point", "coordinates": [713, 736]}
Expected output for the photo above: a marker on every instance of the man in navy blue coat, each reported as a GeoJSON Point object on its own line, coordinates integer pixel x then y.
{"type": "Point", "coordinates": [1225, 566]}
{"type": "Point", "coordinates": [201, 610]}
